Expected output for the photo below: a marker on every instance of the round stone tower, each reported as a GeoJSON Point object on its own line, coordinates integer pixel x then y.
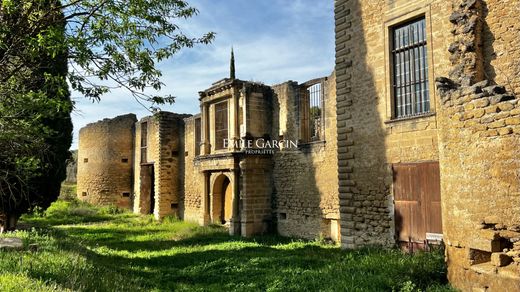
{"type": "Point", "coordinates": [105, 161]}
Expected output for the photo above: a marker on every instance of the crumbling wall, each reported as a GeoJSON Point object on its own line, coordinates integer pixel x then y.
{"type": "Point", "coordinates": [193, 178]}
{"type": "Point", "coordinates": [105, 158]}
{"type": "Point", "coordinates": [170, 163]}
{"type": "Point", "coordinates": [480, 167]}
{"type": "Point", "coordinates": [306, 202]}
{"type": "Point", "coordinates": [165, 151]}
{"type": "Point", "coordinates": [501, 43]}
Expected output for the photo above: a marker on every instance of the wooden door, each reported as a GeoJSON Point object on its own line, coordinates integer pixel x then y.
{"type": "Point", "coordinates": [417, 201]}
{"type": "Point", "coordinates": [147, 190]}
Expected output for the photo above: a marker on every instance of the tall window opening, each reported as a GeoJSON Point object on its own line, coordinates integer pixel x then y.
{"type": "Point", "coordinates": [311, 103]}
{"type": "Point", "coordinates": [410, 69]}
{"type": "Point", "coordinates": [315, 111]}
{"type": "Point", "coordinates": [144, 142]}
{"type": "Point", "coordinates": [198, 136]}
{"type": "Point", "coordinates": [221, 124]}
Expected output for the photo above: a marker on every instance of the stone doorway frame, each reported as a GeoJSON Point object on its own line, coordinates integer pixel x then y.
{"type": "Point", "coordinates": [216, 200]}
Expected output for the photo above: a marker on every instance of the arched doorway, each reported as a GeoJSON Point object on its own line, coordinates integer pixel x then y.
{"type": "Point", "coordinates": [227, 207]}
{"type": "Point", "coordinates": [222, 201]}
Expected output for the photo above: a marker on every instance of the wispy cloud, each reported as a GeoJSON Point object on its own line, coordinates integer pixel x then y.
{"type": "Point", "coordinates": [274, 41]}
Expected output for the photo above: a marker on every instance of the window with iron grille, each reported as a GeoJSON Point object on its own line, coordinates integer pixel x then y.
{"type": "Point", "coordinates": [410, 69]}
{"type": "Point", "coordinates": [315, 109]}
{"type": "Point", "coordinates": [144, 142]}
{"type": "Point", "coordinates": [221, 124]}
{"type": "Point", "coordinates": [198, 136]}
{"type": "Point", "coordinates": [312, 113]}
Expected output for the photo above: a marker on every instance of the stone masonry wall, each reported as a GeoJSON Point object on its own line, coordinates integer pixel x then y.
{"type": "Point", "coordinates": [165, 151]}
{"type": "Point", "coordinates": [480, 167]}
{"type": "Point", "coordinates": [370, 140]}
{"type": "Point", "coordinates": [256, 188]}
{"type": "Point", "coordinates": [105, 159]}
{"type": "Point", "coordinates": [258, 113]}
{"type": "Point", "coordinates": [193, 178]}
{"type": "Point", "coordinates": [169, 169]}
{"type": "Point", "coordinates": [306, 202]}
{"type": "Point", "coordinates": [501, 43]}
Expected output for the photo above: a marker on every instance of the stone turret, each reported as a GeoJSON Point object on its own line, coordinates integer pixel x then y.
{"type": "Point", "coordinates": [105, 160]}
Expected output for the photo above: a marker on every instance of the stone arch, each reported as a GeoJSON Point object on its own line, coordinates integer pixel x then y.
{"type": "Point", "coordinates": [221, 211]}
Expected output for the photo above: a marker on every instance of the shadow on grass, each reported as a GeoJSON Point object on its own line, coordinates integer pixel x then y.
{"type": "Point", "coordinates": [119, 238]}
{"type": "Point", "coordinates": [215, 261]}
{"type": "Point", "coordinates": [129, 253]}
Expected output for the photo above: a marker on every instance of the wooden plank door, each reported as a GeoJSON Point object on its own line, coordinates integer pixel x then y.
{"type": "Point", "coordinates": [429, 174]}
{"type": "Point", "coordinates": [417, 201]}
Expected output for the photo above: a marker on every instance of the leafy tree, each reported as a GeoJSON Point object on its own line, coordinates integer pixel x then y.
{"type": "Point", "coordinates": [95, 46]}
{"type": "Point", "coordinates": [35, 123]}
{"type": "Point", "coordinates": [111, 43]}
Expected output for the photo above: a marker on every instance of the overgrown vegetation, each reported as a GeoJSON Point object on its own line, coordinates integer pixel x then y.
{"type": "Point", "coordinates": [35, 107]}
{"type": "Point", "coordinates": [94, 46]}
{"type": "Point", "coordinates": [118, 251]}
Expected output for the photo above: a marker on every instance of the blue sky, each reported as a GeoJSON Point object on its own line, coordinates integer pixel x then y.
{"type": "Point", "coordinates": [274, 41]}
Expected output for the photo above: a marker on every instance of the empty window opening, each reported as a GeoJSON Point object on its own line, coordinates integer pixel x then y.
{"type": "Point", "coordinates": [198, 135]}
{"type": "Point", "coordinates": [126, 195]}
{"type": "Point", "coordinates": [84, 194]}
{"type": "Point", "coordinates": [85, 160]}
{"type": "Point", "coordinates": [479, 256]}
{"type": "Point", "coordinates": [144, 142]}
{"type": "Point", "coordinates": [221, 125]}
{"type": "Point", "coordinates": [124, 160]}
{"type": "Point", "coordinates": [410, 69]}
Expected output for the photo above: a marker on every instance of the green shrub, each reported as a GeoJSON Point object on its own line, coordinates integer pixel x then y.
{"type": "Point", "coordinates": [68, 192]}
{"type": "Point", "coordinates": [112, 210]}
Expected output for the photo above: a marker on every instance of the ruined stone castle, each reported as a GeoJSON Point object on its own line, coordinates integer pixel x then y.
{"type": "Point", "coordinates": [256, 158]}
{"type": "Point", "coordinates": [413, 140]}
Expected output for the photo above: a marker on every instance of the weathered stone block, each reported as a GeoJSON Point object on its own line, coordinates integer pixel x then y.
{"type": "Point", "coordinates": [500, 259]}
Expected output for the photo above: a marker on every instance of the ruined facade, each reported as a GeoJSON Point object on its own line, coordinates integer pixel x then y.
{"type": "Point", "coordinates": [428, 138]}
{"type": "Point", "coordinates": [413, 140]}
{"type": "Point", "coordinates": [105, 159]}
{"type": "Point", "coordinates": [256, 159]}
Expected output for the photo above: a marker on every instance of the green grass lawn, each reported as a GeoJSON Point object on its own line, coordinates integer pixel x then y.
{"type": "Point", "coordinates": [82, 248]}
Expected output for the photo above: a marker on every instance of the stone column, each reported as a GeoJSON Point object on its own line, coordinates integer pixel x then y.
{"type": "Point", "coordinates": [234, 227]}
{"type": "Point", "coordinates": [205, 146]}
{"type": "Point", "coordinates": [206, 199]}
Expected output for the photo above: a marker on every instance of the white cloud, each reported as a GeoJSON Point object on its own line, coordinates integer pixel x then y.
{"type": "Point", "coordinates": [274, 41]}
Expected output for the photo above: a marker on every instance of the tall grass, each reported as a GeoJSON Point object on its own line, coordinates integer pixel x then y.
{"type": "Point", "coordinates": [123, 252]}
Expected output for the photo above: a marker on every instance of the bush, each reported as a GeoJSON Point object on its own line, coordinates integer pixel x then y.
{"type": "Point", "coordinates": [67, 212]}
{"type": "Point", "coordinates": [112, 210]}
{"type": "Point", "coordinates": [68, 192]}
